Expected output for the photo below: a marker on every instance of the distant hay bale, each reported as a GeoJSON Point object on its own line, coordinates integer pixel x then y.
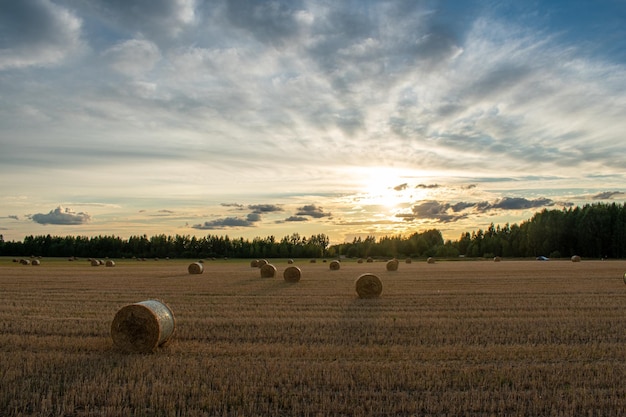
{"type": "Point", "coordinates": [431, 260]}
{"type": "Point", "coordinates": [292, 274]}
{"type": "Point", "coordinates": [36, 262]}
{"type": "Point", "coordinates": [359, 261]}
{"type": "Point", "coordinates": [576, 258]}
{"type": "Point", "coordinates": [195, 268]}
{"type": "Point", "coordinates": [313, 261]}
{"type": "Point", "coordinates": [110, 263]}
{"type": "Point", "coordinates": [25, 261]}
{"type": "Point", "coordinates": [143, 326]}
{"type": "Point", "coordinates": [392, 265]}
{"type": "Point", "coordinates": [497, 259]}
{"type": "Point", "coordinates": [95, 262]}
{"type": "Point", "coordinates": [408, 260]}
{"type": "Point", "coordinates": [368, 286]}
{"type": "Point", "coordinates": [335, 265]}
{"type": "Point", "coordinates": [254, 263]}
{"type": "Point", "coordinates": [268, 271]}
{"type": "Point", "coordinates": [369, 259]}
{"type": "Point", "coordinates": [262, 262]}
{"type": "Point", "coordinates": [290, 261]}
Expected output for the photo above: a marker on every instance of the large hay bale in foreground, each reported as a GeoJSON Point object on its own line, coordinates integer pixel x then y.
{"type": "Point", "coordinates": [335, 266]}
{"type": "Point", "coordinates": [143, 326]}
{"type": "Point", "coordinates": [254, 263]}
{"type": "Point", "coordinates": [624, 277]}
{"type": "Point", "coordinates": [268, 271]}
{"type": "Point", "coordinates": [109, 263]}
{"type": "Point", "coordinates": [368, 286]}
{"type": "Point", "coordinates": [430, 260]}
{"type": "Point", "coordinates": [576, 258]}
{"type": "Point", "coordinates": [392, 265]}
{"type": "Point", "coordinates": [292, 274]}
{"type": "Point", "coordinates": [195, 268]}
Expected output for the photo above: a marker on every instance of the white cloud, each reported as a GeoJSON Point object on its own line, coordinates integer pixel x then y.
{"type": "Point", "coordinates": [133, 57]}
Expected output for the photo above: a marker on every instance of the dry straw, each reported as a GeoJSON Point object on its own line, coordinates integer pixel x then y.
{"type": "Point", "coordinates": [25, 261]}
{"type": "Point", "coordinates": [359, 261]}
{"type": "Point", "coordinates": [290, 261]}
{"type": "Point", "coordinates": [262, 262]}
{"type": "Point", "coordinates": [370, 259]}
{"type": "Point", "coordinates": [95, 262]}
{"type": "Point", "coordinates": [408, 260]}
{"type": "Point", "coordinates": [368, 286]}
{"type": "Point", "coordinates": [254, 263]}
{"type": "Point", "coordinates": [36, 262]}
{"type": "Point", "coordinates": [292, 274]}
{"type": "Point", "coordinates": [497, 259]}
{"type": "Point", "coordinates": [110, 263]}
{"type": "Point", "coordinates": [335, 266]}
{"type": "Point", "coordinates": [268, 271]}
{"type": "Point", "coordinates": [392, 265]}
{"type": "Point", "coordinates": [143, 326]}
{"type": "Point", "coordinates": [430, 260]}
{"type": "Point", "coordinates": [576, 258]}
{"type": "Point", "coordinates": [195, 268]}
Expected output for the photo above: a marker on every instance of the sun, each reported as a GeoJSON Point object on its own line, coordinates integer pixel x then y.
{"type": "Point", "coordinates": [385, 187]}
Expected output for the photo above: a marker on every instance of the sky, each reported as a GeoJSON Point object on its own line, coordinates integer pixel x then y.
{"type": "Point", "coordinates": [269, 118]}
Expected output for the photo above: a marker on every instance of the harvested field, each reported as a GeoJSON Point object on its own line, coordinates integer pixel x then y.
{"type": "Point", "coordinates": [473, 338]}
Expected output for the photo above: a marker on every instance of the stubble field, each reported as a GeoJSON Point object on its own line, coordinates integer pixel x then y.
{"type": "Point", "coordinates": [473, 338]}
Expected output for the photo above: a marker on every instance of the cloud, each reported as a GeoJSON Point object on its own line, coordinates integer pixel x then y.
{"type": "Point", "coordinates": [264, 208]}
{"type": "Point", "coordinates": [13, 216]}
{"type": "Point", "coordinates": [226, 222]}
{"type": "Point", "coordinates": [61, 216]}
{"type": "Point", "coordinates": [401, 187]}
{"type": "Point", "coordinates": [447, 212]}
{"type": "Point", "coordinates": [427, 186]}
{"type": "Point", "coordinates": [231, 205]}
{"type": "Point", "coordinates": [133, 57]}
{"type": "Point", "coordinates": [313, 211]}
{"type": "Point", "coordinates": [607, 195]}
{"type": "Point", "coordinates": [37, 33]}
{"type": "Point", "coordinates": [296, 219]}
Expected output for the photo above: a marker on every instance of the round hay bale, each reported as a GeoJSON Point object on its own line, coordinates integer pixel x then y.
{"type": "Point", "coordinates": [313, 261]}
{"type": "Point", "coordinates": [408, 260]}
{"type": "Point", "coordinates": [36, 262]}
{"type": "Point", "coordinates": [624, 277]}
{"type": "Point", "coordinates": [25, 261]}
{"type": "Point", "coordinates": [195, 268]}
{"type": "Point", "coordinates": [431, 260]}
{"type": "Point", "coordinates": [143, 326]}
{"type": "Point", "coordinates": [268, 271]}
{"type": "Point", "coordinates": [290, 261]}
{"type": "Point", "coordinates": [392, 265]}
{"type": "Point", "coordinates": [359, 261]}
{"type": "Point", "coordinates": [369, 259]}
{"type": "Point", "coordinates": [292, 274]}
{"type": "Point", "coordinates": [262, 262]}
{"type": "Point", "coordinates": [334, 266]}
{"type": "Point", "coordinates": [497, 259]}
{"type": "Point", "coordinates": [95, 262]}
{"type": "Point", "coordinates": [368, 286]}
{"type": "Point", "coordinates": [110, 263]}
{"type": "Point", "coordinates": [576, 258]}
{"type": "Point", "coordinates": [254, 263]}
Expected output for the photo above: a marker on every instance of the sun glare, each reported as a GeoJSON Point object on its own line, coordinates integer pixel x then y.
{"type": "Point", "coordinates": [386, 187]}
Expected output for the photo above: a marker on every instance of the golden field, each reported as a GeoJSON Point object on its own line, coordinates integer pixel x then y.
{"type": "Point", "coordinates": [472, 338]}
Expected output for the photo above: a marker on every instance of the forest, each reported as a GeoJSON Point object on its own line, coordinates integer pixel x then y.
{"type": "Point", "coordinates": [593, 231]}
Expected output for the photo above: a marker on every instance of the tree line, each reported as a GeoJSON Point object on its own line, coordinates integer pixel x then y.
{"type": "Point", "coordinates": [594, 231]}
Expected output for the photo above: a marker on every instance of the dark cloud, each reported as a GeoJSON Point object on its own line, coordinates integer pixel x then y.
{"type": "Point", "coordinates": [607, 195]}
{"type": "Point", "coordinates": [270, 22]}
{"type": "Point", "coordinates": [232, 205]}
{"type": "Point", "coordinates": [253, 217]}
{"type": "Point", "coordinates": [264, 208]}
{"type": "Point", "coordinates": [13, 216]}
{"type": "Point", "coordinates": [61, 216]}
{"type": "Point", "coordinates": [226, 222]}
{"type": "Point", "coordinates": [166, 211]}
{"type": "Point", "coordinates": [427, 186]}
{"type": "Point", "coordinates": [447, 212]}
{"type": "Point", "coordinates": [313, 211]}
{"type": "Point", "coordinates": [296, 219]}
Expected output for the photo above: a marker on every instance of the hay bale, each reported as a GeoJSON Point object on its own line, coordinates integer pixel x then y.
{"type": "Point", "coordinates": [408, 260]}
{"type": "Point", "coordinates": [359, 261]}
{"type": "Point", "coordinates": [25, 261]}
{"type": "Point", "coordinates": [431, 260]}
{"type": "Point", "coordinates": [576, 258]}
{"type": "Point", "coordinates": [497, 259]}
{"type": "Point", "coordinates": [195, 268]}
{"type": "Point", "coordinates": [368, 286]}
{"type": "Point", "coordinates": [95, 262]}
{"type": "Point", "coordinates": [292, 274]}
{"type": "Point", "coordinates": [334, 266]}
{"type": "Point", "coordinates": [254, 263]}
{"type": "Point", "coordinates": [624, 277]}
{"type": "Point", "coordinates": [110, 263]}
{"type": "Point", "coordinates": [369, 259]}
{"type": "Point", "coordinates": [313, 261]}
{"type": "Point", "coordinates": [143, 326]}
{"type": "Point", "coordinates": [392, 265]}
{"type": "Point", "coordinates": [290, 261]}
{"type": "Point", "coordinates": [262, 262]}
{"type": "Point", "coordinates": [36, 262]}
{"type": "Point", "coordinates": [268, 271]}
